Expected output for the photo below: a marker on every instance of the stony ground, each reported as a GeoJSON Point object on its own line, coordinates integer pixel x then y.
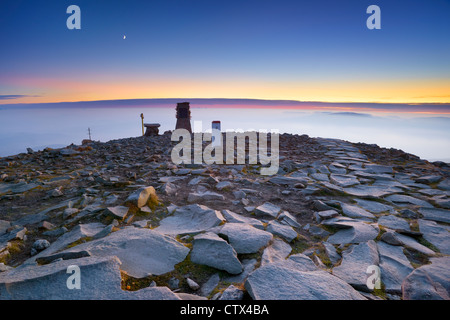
{"type": "Point", "coordinates": [139, 227]}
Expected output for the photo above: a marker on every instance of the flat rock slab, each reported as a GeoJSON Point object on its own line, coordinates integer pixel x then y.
{"type": "Point", "coordinates": [244, 238]}
{"type": "Point", "coordinates": [374, 192]}
{"type": "Point", "coordinates": [204, 196]}
{"type": "Point", "coordinates": [376, 168]}
{"type": "Point", "coordinates": [287, 181]}
{"type": "Point", "coordinates": [192, 218]}
{"type": "Point", "coordinates": [233, 217]}
{"type": "Point", "coordinates": [444, 185]}
{"type": "Point", "coordinates": [353, 231]}
{"type": "Point", "coordinates": [143, 252]}
{"type": "Point", "coordinates": [400, 199]}
{"type": "Point", "coordinates": [211, 250]}
{"type": "Point", "coordinates": [119, 212]}
{"type": "Point", "coordinates": [436, 234]}
{"type": "Point", "coordinates": [429, 282]}
{"type": "Point", "coordinates": [394, 222]}
{"type": "Point", "coordinates": [373, 206]}
{"type": "Point", "coordinates": [440, 215]}
{"type": "Point", "coordinates": [268, 209]}
{"type": "Point", "coordinates": [344, 180]}
{"type": "Point", "coordinates": [412, 243]}
{"type": "Point", "coordinates": [331, 252]}
{"type": "Point", "coordinates": [278, 250]}
{"type": "Point", "coordinates": [355, 262]}
{"type": "Point", "coordinates": [88, 230]}
{"type": "Point", "coordinates": [283, 280]}
{"type": "Point", "coordinates": [282, 230]}
{"type": "Point", "coordinates": [394, 267]}
{"type": "Point", "coordinates": [99, 278]}
{"type": "Point", "coordinates": [356, 212]}
{"type": "Point", "coordinates": [17, 187]}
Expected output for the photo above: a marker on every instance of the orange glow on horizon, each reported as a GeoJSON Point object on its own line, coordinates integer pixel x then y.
{"type": "Point", "coordinates": [50, 90]}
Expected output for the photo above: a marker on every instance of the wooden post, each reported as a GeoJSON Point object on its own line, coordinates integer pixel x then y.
{"type": "Point", "coordinates": [142, 118]}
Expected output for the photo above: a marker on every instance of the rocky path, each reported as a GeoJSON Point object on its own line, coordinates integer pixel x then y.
{"type": "Point", "coordinates": [139, 227]}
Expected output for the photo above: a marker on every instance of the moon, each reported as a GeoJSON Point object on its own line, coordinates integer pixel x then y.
{"type": "Point", "coordinates": [124, 37]}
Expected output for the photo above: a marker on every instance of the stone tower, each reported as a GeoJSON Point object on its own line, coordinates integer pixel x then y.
{"type": "Point", "coordinates": [183, 116]}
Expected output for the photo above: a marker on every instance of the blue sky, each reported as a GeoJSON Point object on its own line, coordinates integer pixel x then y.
{"type": "Point", "coordinates": [302, 50]}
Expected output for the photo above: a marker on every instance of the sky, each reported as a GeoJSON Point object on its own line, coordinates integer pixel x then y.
{"type": "Point", "coordinates": [250, 49]}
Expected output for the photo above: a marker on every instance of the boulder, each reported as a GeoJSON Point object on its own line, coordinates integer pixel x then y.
{"type": "Point", "coordinates": [211, 250]}
{"type": "Point", "coordinates": [142, 197]}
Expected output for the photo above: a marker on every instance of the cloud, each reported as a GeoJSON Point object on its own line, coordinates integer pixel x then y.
{"type": "Point", "coordinates": [15, 96]}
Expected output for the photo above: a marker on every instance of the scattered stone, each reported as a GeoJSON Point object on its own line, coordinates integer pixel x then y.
{"type": "Point", "coordinates": [204, 196]}
{"type": "Point", "coordinates": [224, 185]}
{"type": "Point", "coordinates": [288, 219]}
{"type": "Point", "coordinates": [211, 250]}
{"type": "Point", "coordinates": [391, 238]}
{"type": "Point", "coordinates": [356, 212]}
{"type": "Point", "coordinates": [268, 209]}
{"type": "Point", "coordinates": [284, 231]}
{"type": "Point", "coordinates": [119, 212]}
{"type": "Point", "coordinates": [142, 197]}
{"type": "Point", "coordinates": [245, 238]}
{"type": "Point", "coordinates": [331, 252]}
{"type": "Point", "coordinates": [232, 293]}
{"type": "Point", "coordinates": [233, 217]}
{"type": "Point", "coordinates": [210, 285]}
{"type": "Point", "coordinates": [278, 250]}
{"type": "Point", "coordinates": [39, 245]}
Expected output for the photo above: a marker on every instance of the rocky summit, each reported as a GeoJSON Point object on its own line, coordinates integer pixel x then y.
{"type": "Point", "coordinates": [119, 220]}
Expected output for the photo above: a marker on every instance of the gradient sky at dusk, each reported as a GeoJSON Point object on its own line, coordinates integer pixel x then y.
{"type": "Point", "coordinates": [263, 49]}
